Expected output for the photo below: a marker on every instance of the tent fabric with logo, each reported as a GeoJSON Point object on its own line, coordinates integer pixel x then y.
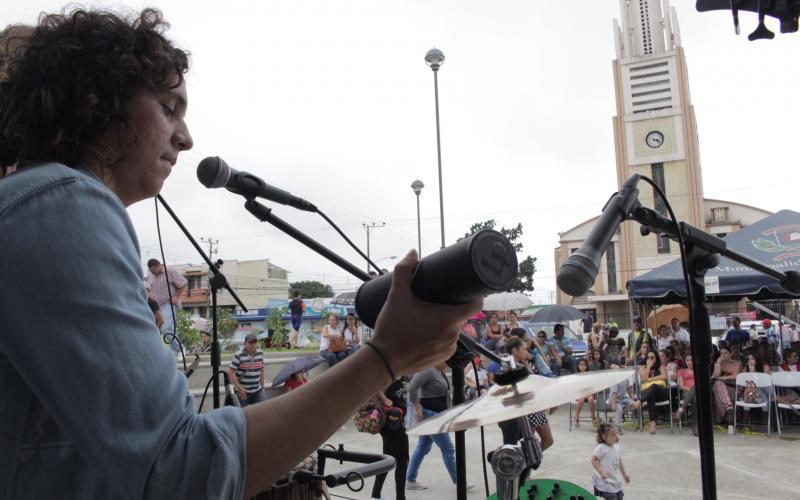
{"type": "Point", "coordinates": [774, 241]}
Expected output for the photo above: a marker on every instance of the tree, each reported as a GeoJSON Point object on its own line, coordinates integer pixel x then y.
{"type": "Point", "coordinates": [187, 333]}
{"type": "Point", "coordinates": [312, 289]}
{"type": "Point", "coordinates": [526, 267]}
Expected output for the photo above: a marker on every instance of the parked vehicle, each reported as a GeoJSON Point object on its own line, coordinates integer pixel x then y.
{"type": "Point", "coordinates": [579, 347]}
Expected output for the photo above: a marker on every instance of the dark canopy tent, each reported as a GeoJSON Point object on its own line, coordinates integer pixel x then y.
{"type": "Point", "coordinates": [774, 241]}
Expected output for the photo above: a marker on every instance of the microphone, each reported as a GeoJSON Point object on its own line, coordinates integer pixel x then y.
{"type": "Point", "coordinates": [213, 172]}
{"type": "Point", "coordinates": [485, 262]}
{"type": "Point", "coordinates": [578, 272]}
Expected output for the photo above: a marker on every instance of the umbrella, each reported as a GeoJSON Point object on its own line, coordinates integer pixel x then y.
{"type": "Point", "coordinates": [556, 314]}
{"type": "Point", "coordinates": [301, 364]}
{"type": "Point", "coordinates": [665, 315]}
{"type": "Point", "coordinates": [344, 299]}
{"type": "Point", "coordinates": [506, 301]}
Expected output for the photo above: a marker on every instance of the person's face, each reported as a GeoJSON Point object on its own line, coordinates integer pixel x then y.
{"type": "Point", "coordinates": [559, 332]}
{"type": "Point", "coordinates": [351, 321]}
{"type": "Point", "coordinates": [250, 347]}
{"type": "Point", "coordinates": [204, 336]}
{"type": "Point", "coordinates": [663, 357]}
{"type": "Point", "coordinates": [651, 357]}
{"type": "Point", "coordinates": [637, 325]}
{"type": "Point", "coordinates": [611, 437]}
{"type": "Point", "coordinates": [149, 143]}
{"type": "Point", "coordinates": [751, 360]}
{"type": "Point", "coordinates": [736, 323]}
{"type": "Point", "coordinates": [645, 348]}
{"type": "Point", "coordinates": [792, 359]}
{"type": "Point", "coordinates": [493, 319]}
{"type": "Point", "coordinates": [663, 331]}
{"type": "Point", "coordinates": [689, 362]}
{"type": "Point", "coordinates": [518, 353]}
{"type": "Point", "coordinates": [332, 320]}
{"type": "Point", "coordinates": [512, 318]}
{"type": "Point", "coordinates": [542, 337]}
{"type": "Point", "coordinates": [156, 269]}
{"type": "Point", "coordinates": [674, 324]}
{"type": "Point", "coordinates": [724, 354]}
{"type": "Point", "coordinates": [583, 366]}
{"type": "Point", "coordinates": [596, 355]}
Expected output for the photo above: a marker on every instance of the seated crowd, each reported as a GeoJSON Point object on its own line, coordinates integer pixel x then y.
{"type": "Point", "coordinates": [664, 365]}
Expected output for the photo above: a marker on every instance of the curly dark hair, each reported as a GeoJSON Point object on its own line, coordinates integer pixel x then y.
{"type": "Point", "coordinates": [65, 81]}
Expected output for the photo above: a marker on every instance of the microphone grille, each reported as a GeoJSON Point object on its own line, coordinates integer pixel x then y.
{"type": "Point", "coordinates": [213, 172]}
{"type": "Point", "coordinates": [576, 275]}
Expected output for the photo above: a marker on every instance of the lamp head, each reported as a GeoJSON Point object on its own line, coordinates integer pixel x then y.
{"type": "Point", "coordinates": [434, 58]}
{"type": "Point", "coordinates": [417, 186]}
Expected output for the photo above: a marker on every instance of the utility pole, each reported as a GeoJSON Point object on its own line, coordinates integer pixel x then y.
{"type": "Point", "coordinates": [213, 245]}
{"type": "Point", "coordinates": [368, 228]}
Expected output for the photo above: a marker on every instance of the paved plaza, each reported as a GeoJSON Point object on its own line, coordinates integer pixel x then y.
{"type": "Point", "coordinates": [664, 466]}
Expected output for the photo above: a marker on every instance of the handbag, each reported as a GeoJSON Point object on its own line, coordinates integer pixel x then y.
{"type": "Point", "coordinates": [336, 344]}
{"type": "Point", "coordinates": [370, 418]}
{"type": "Point", "coordinates": [752, 394]}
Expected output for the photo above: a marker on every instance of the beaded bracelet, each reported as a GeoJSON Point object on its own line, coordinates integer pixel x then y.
{"type": "Point", "coordinates": [383, 357]}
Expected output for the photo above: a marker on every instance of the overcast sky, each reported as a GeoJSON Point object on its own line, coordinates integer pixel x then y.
{"type": "Point", "coordinates": [332, 100]}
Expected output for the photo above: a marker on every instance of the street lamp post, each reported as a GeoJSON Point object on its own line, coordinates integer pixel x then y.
{"type": "Point", "coordinates": [417, 186]}
{"type": "Point", "coordinates": [435, 58]}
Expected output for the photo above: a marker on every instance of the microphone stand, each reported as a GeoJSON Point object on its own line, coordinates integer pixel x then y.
{"type": "Point", "coordinates": [264, 214]}
{"type": "Point", "coordinates": [217, 282]}
{"type": "Point", "coordinates": [702, 251]}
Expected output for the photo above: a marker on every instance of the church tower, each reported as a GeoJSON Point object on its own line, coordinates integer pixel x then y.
{"type": "Point", "coordinates": [655, 132]}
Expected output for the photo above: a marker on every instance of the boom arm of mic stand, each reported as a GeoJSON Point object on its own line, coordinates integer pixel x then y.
{"type": "Point", "coordinates": [213, 267]}
{"type": "Point", "coordinates": [265, 214]}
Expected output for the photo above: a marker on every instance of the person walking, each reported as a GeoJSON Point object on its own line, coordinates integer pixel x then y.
{"type": "Point", "coordinates": [429, 394]}
{"type": "Point", "coordinates": [395, 439]}
{"type": "Point", "coordinates": [607, 463]}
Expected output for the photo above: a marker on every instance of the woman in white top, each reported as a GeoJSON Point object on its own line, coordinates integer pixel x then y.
{"type": "Point", "coordinates": [332, 346]}
{"type": "Point", "coordinates": [352, 333]}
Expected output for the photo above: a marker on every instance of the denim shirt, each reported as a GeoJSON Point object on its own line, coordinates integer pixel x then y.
{"type": "Point", "coordinates": [92, 405]}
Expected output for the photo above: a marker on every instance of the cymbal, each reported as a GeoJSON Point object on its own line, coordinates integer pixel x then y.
{"type": "Point", "coordinates": [533, 394]}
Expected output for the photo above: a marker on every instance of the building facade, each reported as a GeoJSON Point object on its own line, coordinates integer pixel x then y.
{"type": "Point", "coordinates": [254, 281]}
{"type": "Point", "coordinates": [655, 135]}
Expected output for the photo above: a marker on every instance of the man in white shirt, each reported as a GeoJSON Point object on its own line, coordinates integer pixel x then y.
{"type": "Point", "coordinates": [678, 332]}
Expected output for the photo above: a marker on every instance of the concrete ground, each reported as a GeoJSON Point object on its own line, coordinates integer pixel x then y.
{"type": "Point", "coordinates": [664, 466]}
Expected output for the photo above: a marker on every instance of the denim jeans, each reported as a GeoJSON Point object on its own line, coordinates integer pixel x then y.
{"type": "Point", "coordinates": [168, 328]}
{"type": "Point", "coordinates": [333, 357]}
{"type": "Point", "coordinates": [252, 398]}
{"type": "Point", "coordinates": [424, 445]}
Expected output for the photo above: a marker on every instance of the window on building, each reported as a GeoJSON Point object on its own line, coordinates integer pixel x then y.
{"type": "Point", "coordinates": [719, 214]}
{"type": "Point", "coordinates": [657, 173]}
{"type": "Point", "coordinates": [611, 268]}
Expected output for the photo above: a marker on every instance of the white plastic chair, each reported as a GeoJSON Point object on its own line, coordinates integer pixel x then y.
{"type": "Point", "coordinates": [762, 381]}
{"type": "Point", "coordinates": [782, 381]}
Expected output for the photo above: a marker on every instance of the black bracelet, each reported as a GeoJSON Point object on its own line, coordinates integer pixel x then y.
{"type": "Point", "coordinates": [383, 357]}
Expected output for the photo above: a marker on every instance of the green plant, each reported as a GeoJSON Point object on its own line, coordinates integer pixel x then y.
{"type": "Point", "coordinates": [187, 333]}
{"type": "Point", "coordinates": [277, 324]}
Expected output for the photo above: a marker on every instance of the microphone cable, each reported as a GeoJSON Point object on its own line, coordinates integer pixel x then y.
{"type": "Point", "coordinates": [333, 224]}
{"type": "Point", "coordinates": [681, 244]}
{"type": "Point", "coordinates": [174, 334]}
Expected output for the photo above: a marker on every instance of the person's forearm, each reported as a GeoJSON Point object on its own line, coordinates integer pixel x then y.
{"type": "Point", "coordinates": [272, 452]}
{"type": "Point", "coordinates": [234, 380]}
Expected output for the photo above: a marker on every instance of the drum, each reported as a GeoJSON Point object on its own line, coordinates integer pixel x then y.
{"type": "Point", "coordinates": [539, 489]}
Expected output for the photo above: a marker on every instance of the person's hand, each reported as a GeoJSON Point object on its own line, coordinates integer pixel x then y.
{"type": "Point", "coordinates": [627, 478]}
{"type": "Point", "coordinates": [603, 476]}
{"type": "Point", "coordinates": [418, 414]}
{"type": "Point", "coordinates": [387, 402]}
{"type": "Point", "coordinates": [242, 393]}
{"type": "Point", "coordinates": [413, 350]}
